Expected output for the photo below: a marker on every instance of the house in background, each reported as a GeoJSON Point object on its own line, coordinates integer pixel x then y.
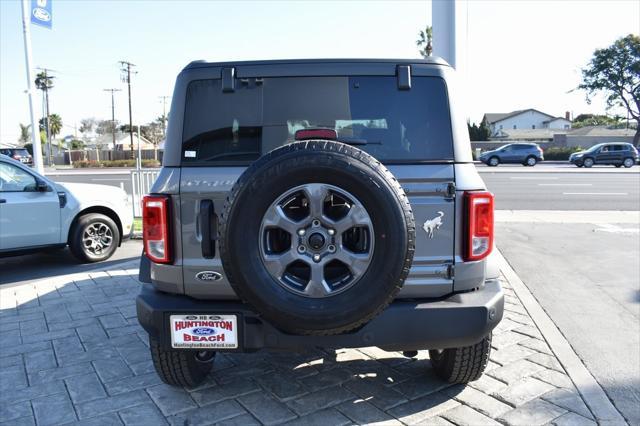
{"type": "Point", "coordinates": [525, 119]}
{"type": "Point", "coordinates": [123, 142]}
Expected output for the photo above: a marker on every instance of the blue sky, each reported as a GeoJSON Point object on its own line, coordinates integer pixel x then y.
{"type": "Point", "coordinates": [520, 53]}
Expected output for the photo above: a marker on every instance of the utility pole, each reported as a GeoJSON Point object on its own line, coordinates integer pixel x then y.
{"type": "Point", "coordinates": [126, 78]}
{"type": "Point", "coordinates": [45, 89]}
{"type": "Point", "coordinates": [163, 99]}
{"type": "Point", "coordinates": [113, 115]}
{"type": "Point", "coordinates": [35, 139]}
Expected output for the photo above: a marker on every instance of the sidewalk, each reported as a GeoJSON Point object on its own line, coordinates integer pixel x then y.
{"type": "Point", "coordinates": [71, 351]}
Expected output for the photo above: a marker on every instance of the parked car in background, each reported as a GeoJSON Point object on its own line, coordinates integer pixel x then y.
{"type": "Point", "coordinates": [37, 213]}
{"type": "Point", "coordinates": [527, 154]}
{"type": "Point", "coordinates": [615, 154]}
{"type": "Point", "coordinates": [18, 154]}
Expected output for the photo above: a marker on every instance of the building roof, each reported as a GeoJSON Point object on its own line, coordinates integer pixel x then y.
{"type": "Point", "coordinates": [494, 117]}
{"type": "Point", "coordinates": [527, 134]}
{"type": "Point", "coordinates": [555, 119]}
{"type": "Point", "coordinates": [600, 131]}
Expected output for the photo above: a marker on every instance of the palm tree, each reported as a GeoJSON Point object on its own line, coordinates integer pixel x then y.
{"type": "Point", "coordinates": [55, 124]}
{"type": "Point", "coordinates": [425, 38]}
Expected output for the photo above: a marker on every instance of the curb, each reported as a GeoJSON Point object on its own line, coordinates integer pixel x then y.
{"type": "Point", "coordinates": [592, 393]}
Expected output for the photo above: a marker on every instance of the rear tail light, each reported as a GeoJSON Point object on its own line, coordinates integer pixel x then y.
{"type": "Point", "coordinates": [16, 157]}
{"type": "Point", "coordinates": [155, 228]}
{"type": "Point", "coordinates": [479, 241]}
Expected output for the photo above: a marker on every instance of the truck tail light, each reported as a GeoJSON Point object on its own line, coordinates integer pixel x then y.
{"type": "Point", "coordinates": [479, 241]}
{"type": "Point", "coordinates": [155, 228]}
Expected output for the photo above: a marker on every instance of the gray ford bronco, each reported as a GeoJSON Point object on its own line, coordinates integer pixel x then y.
{"type": "Point", "coordinates": [317, 203]}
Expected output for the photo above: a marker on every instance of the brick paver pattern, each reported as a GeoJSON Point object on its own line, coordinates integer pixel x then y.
{"type": "Point", "coordinates": [72, 352]}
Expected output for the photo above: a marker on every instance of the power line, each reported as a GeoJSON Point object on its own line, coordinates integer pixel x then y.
{"type": "Point", "coordinates": [126, 78]}
{"type": "Point", "coordinates": [113, 115]}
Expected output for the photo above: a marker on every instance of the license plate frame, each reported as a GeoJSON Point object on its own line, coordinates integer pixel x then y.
{"type": "Point", "coordinates": [204, 331]}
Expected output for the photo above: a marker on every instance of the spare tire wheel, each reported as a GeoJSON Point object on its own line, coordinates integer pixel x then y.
{"type": "Point", "coordinates": [317, 236]}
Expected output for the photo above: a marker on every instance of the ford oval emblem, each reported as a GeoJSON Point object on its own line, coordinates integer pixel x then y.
{"type": "Point", "coordinates": [41, 14]}
{"type": "Point", "coordinates": [208, 276]}
{"type": "Point", "coordinates": [204, 331]}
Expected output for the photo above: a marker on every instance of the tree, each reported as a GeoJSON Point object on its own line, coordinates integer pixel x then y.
{"type": "Point", "coordinates": [615, 71]}
{"type": "Point", "coordinates": [106, 127]}
{"type": "Point", "coordinates": [55, 125]}
{"type": "Point", "coordinates": [478, 133]}
{"type": "Point", "coordinates": [25, 135]}
{"type": "Point", "coordinates": [424, 39]}
{"type": "Point", "coordinates": [583, 120]}
{"type": "Point", "coordinates": [87, 125]}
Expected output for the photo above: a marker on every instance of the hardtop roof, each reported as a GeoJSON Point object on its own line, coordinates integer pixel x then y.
{"type": "Point", "coordinates": [433, 60]}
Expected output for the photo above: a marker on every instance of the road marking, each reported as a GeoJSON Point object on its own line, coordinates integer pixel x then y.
{"type": "Point", "coordinates": [614, 229]}
{"type": "Point", "coordinates": [594, 193]}
{"type": "Point", "coordinates": [534, 177]}
{"type": "Point", "coordinates": [113, 180]}
{"type": "Point", "coordinates": [565, 184]}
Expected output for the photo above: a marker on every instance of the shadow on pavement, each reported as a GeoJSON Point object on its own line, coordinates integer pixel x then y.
{"type": "Point", "coordinates": [54, 262]}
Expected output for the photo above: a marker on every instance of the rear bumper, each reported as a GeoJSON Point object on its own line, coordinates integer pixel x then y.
{"type": "Point", "coordinates": [459, 320]}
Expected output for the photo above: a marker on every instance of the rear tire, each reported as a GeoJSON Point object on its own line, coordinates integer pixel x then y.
{"type": "Point", "coordinates": [462, 365]}
{"type": "Point", "coordinates": [531, 161]}
{"type": "Point", "coordinates": [107, 238]}
{"type": "Point", "coordinates": [180, 368]}
{"type": "Point", "coordinates": [628, 162]}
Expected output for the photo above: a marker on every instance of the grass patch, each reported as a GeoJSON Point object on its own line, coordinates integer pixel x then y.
{"type": "Point", "coordinates": [137, 224]}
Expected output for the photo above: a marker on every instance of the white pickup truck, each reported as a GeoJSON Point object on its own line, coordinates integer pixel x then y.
{"type": "Point", "coordinates": [37, 213]}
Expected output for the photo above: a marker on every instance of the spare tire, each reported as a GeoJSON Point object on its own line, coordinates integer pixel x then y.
{"type": "Point", "coordinates": [317, 236]}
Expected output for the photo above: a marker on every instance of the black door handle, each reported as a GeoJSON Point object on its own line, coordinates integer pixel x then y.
{"type": "Point", "coordinates": [2, 201]}
{"type": "Point", "coordinates": [209, 228]}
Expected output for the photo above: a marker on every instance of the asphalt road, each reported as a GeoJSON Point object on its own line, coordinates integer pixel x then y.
{"type": "Point", "coordinates": [587, 278]}
{"type": "Point", "coordinates": [544, 187]}
{"type": "Point", "coordinates": [554, 189]}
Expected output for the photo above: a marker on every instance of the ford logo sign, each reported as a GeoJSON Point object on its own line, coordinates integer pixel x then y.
{"type": "Point", "coordinates": [204, 331]}
{"type": "Point", "coordinates": [41, 14]}
{"type": "Point", "coordinates": [208, 276]}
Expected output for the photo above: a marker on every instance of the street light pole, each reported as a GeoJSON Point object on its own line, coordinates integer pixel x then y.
{"type": "Point", "coordinates": [113, 115]}
{"type": "Point", "coordinates": [37, 152]}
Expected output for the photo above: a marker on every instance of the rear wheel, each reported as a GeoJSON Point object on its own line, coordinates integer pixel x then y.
{"type": "Point", "coordinates": [628, 162]}
{"type": "Point", "coordinates": [493, 161]}
{"type": "Point", "coordinates": [180, 368]}
{"type": "Point", "coordinates": [588, 162]}
{"type": "Point", "coordinates": [462, 365]}
{"type": "Point", "coordinates": [94, 238]}
{"type": "Point", "coordinates": [531, 161]}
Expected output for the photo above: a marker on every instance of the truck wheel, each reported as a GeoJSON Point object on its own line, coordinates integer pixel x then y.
{"type": "Point", "coordinates": [318, 237]}
{"type": "Point", "coordinates": [462, 365]}
{"type": "Point", "coordinates": [94, 238]}
{"type": "Point", "coordinates": [180, 368]}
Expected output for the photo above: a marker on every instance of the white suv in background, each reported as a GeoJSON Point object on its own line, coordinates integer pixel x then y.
{"type": "Point", "coordinates": [37, 213]}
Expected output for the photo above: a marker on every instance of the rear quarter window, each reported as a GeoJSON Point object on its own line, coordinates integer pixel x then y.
{"type": "Point", "coordinates": [395, 126]}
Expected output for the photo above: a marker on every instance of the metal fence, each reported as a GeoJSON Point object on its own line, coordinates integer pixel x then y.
{"type": "Point", "coordinates": [141, 182]}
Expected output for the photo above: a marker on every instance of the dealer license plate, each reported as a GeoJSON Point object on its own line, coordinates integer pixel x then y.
{"type": "Point", "coordinates": [204, 331]}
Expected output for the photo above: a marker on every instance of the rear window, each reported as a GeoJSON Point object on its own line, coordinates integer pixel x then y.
{"type": "Point", "coordinates": [395, 126]}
